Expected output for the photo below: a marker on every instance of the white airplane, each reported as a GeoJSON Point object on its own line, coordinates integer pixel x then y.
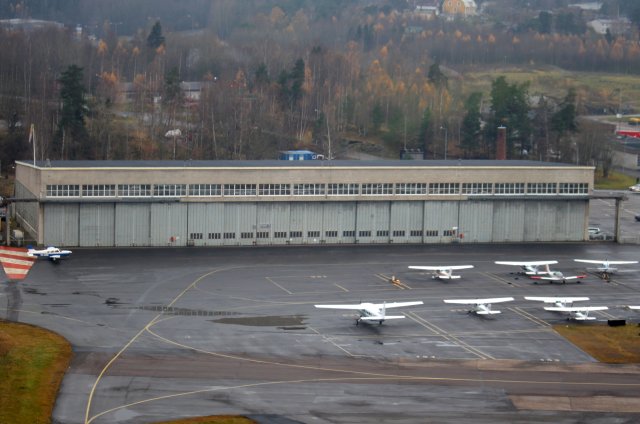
{"type": "Point", "coordinates": [480, 306]}
{"type": "Point", "coordinates": [605, 269]}
{"type": "Point", "coordinates": [634, 308]}
{"type": "Point", "coordinates": [443, 272]}
{"type": "Point", "coordinates": [51, 252]}
{"type": "Point", "coordinates": [370, 312]}
{"type": "Point", "coordinates": [531, 267]}
{"type": "Point", "coordinates": [579, 313]}
{"type": "Point", "coordinates": [560, 302]}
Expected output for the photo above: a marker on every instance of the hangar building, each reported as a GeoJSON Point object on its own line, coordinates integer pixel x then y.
{"type": "Point", "coordinates": [220, 203]}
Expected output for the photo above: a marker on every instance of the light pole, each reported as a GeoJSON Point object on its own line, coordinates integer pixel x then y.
{"type": "Point", "coordinates": [446, 141]}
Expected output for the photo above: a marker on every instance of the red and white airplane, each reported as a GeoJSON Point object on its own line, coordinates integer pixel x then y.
{"type": "Point", "coordinates": [442, 272]}
{"type": "Point", "coordinates": [480, 306]}
{"type": "Point", "coordinates": [539, 270]}
{"type": "Point", "coordinates": [371, 312]}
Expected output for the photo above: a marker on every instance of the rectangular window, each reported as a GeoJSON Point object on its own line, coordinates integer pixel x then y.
{"type": "Point", "coordinates": [280, 234]}
{"type": "Point", "coordinates": [246, 235]}
{"type": "Point", "coordinates": [542, 188]}
{"type": "Point", "coordinates": [509, 188]}
{"type": "Point", "coordinates": [477, 188]}
{"type": "Point", "coordinates": [134, 190]}
{"type": "Point", "coordinates": [63, 190]}
{"type": "Point", "coordinates": [364, 234]}
{"type": "Point", "coordinates": [308, 189]}
{"type": "Point", "coordinates": [295, 234]}
{"type": "Point", "coordinates": [348, 234]}
{"type": "Point", "coordinates": [416, 233]}
{"type": "Point", "coordinates": [169, 190]}
{"type": "Point", "coordinates": [444, 188]}
{"type": "Point", "coordinates": [411, 188]}
{"type": "Point", "coordinates": [239, 189]}
{"type": "Point", "coordinates": [195, 236]}
{"type": "Point", "coordinates": [574, 188]}
{"type": "Point", "coordinates": [431, 233]}
{"type": "Point", "coordinates": [382, 233]}
{"type": "Point", "coordinates": [205, 190]}
{"type": "Point", "coordinates": [214, 236]}
{"type": "Point", "coordinates": [262, 234]}
{"type": "Point", "coordinates": [377, 189]}
{"type": "Point", "coordinates": [398, 233]}
{"type": "Point", "coordinates": [228, 236]}
{"type": "Point", "coordinates": [344, 189]}
{"type": "Point", "coordinates": [449, 233]}
{"type": "Point", "coordinates": [331, 234]}
{"type": "Point", "coordinates": [313, 234]}
{"type": "Point", "coordinates": [99, 190]}
{"type": "Point", "coordinates": [274, 189]}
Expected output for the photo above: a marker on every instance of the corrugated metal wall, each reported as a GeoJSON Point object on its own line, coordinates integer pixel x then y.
{"type": "Point", "coordinates": [97, 224]}
{"type": "Point", "coordinates": [248, 223]}
{"type": "Point", "coordinates": [61, 222]}
{"type": "Point", "coordinates": [133, 224]}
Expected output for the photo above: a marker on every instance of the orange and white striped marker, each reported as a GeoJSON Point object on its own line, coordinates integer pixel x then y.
{"type": "Point", "coordinates": [16, 262]}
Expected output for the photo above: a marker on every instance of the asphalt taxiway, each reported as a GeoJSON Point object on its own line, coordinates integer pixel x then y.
{"type": "Point", "coordinates": [169, 333]}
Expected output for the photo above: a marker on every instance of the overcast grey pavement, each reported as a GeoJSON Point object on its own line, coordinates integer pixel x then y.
{"type": "Point", "coordinates": [169, 333]}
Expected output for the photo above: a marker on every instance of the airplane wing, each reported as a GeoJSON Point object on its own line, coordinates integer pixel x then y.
{"type": "Point", "coordinates": [590, 261]}
{"type": "Point", "coordinates": [634, 308]}
{"type": "Point", "coordinates": [556, 299]}
{"type": "Point", "coordinates": [378, 318]}
{"type": "Point", "coordinates": [397, 304]}
{"type": "Point", "coordinates": [443, 267]}
{"type": "Point", "coordinates": [532, 263]}
{"type": "Point", "coordinates": [479, 301]}
{"type": "Point", "coordinates": [575, 308]}
{"type": "Point", "coordinates": [554, 278]}
{"type": "Point", "coordinates": [351, 307]}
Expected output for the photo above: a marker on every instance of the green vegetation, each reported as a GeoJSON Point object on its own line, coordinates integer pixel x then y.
{"type": "Point", "coordinates": [615, 181]}
{"type": "Point", "coordinates": [613, 345]}
{"type": "Point", "coordinates": [223, 419]}
{"type": "Point", "coordinates": [32, 365]}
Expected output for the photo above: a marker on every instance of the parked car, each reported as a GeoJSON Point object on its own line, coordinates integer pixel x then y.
{"type": "Point", "coordinates": [638, 218]}
{"type": "Point", "coordinates": [635, 188]}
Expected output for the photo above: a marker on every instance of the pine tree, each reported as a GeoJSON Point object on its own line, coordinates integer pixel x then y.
{"type": "Point", "coordinates": [155, 38]}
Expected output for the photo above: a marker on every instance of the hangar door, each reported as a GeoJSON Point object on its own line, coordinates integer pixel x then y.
{"type": "Point", "coordinates": [61, 224]}
{"type": "Point", "coordinates": [133, 222]}
{"type": "Point", "coordinates": [97, 224]}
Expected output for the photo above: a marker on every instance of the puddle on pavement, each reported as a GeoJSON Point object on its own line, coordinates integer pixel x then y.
{"type": "Point", "coordinates": [285, 322]}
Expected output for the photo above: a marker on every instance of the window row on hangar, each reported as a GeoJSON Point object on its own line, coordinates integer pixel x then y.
{"type": "Point", "coordinates": [311, 189]}
{"type": "Point", "coordinates": [329, 234]}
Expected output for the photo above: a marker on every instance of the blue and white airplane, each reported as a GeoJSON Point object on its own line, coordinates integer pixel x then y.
{"type": "Point", "coordinates": [52, 253]}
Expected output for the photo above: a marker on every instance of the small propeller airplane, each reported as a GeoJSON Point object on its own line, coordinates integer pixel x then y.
{"type": "Point", "coordinates": [480, 306]}
{"type": "Point", "coordinates": [443, 272]}
{"type": "Point", "coordinates": [560, 302]}
{"type": "Point", "coordinates": [578, 313]}
{"type": "Point", "coordinates": [605, 269]}
{"type": "Point", "coordinates": [533, 270]}
{"type": "Point", "coordinates": [52, 253]}
{"type": "Point", "coordinates": [556, 276]}
{"type": "Point", "coordinates": [371, 312]}
{"type": "Point", "coordinates": [530, 267]}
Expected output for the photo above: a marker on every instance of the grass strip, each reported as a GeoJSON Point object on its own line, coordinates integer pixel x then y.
{"type": "Point", "coordinates": [32, 364]}
{"type": "Point", "coordinates": [611, 345]}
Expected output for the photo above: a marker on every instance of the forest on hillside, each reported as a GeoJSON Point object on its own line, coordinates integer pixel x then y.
{"type": "Point", "coordinates": [274, 75]}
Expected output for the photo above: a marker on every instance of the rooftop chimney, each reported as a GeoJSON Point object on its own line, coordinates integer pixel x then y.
{"type": "Point", "coordinates": [501, 144]}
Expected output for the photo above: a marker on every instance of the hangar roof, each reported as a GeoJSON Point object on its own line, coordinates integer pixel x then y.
{"type": "Point", "coordinates": [286, 164]}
